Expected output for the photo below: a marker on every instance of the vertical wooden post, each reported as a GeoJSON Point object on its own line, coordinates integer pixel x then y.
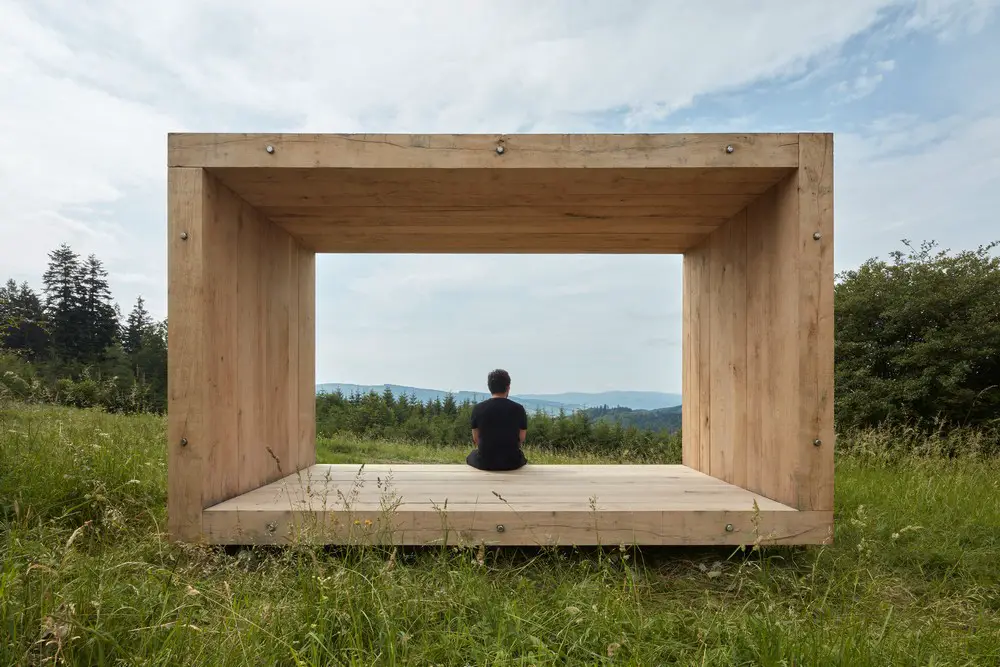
{"type": "Point", "coordinates": [241, 317]}
{"type": "Point", "coordinates": [758, 340]}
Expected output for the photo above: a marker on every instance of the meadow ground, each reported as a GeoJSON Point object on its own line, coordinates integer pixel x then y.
{"type": "Point", "coordinates": [86, 577]}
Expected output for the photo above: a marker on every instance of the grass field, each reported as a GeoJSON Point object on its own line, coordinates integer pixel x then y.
{"type": "Point", "coordinates": [86, 578]}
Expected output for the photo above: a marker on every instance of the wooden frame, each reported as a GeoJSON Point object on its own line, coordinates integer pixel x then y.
{"type": "Point", "coordinates": [751, 213]}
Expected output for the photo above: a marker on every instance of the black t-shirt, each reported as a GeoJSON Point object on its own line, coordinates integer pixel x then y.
{"type": "Point", "coordinates": [499, 421]}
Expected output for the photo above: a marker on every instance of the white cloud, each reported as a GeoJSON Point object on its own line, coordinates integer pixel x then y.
{"type": "Point", "coordinates": [920, 181]}
{"type": "Point", "coordinates": [866, 81]}
{"type": "Point", "coordinates": [91, 90]}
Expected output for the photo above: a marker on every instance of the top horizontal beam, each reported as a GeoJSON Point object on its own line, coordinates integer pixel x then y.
{"type": "Point", "coordinates": [482, 151]}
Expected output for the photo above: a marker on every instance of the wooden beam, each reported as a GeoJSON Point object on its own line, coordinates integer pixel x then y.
{"type": "Point", "coordinates": [815, 478]}
{"type": "Point", "coordinates": [547, 527]}
{"type": "Point", "coordinates": [185, 382]}
{"type": "Point", "coordinates": [465, 151]}
{"type": "Point", "coordinates": [392, 241]}
{"type": "Point", "coordinates": [240, 309]}
{"type": "Point", "coordinates": [277, 187]}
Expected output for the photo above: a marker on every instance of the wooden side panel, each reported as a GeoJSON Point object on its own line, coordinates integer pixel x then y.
{"type": "Point", "coordinates": [690, 454]}
{"type": "Point", "coordinates": [251, 286]}
{"type": "Point", "coordinates": [760, 255]}
{"type": "Point", "coordinates": [306, 385]}
{"type": "Point", "coordinates": [814, 481]}
{"type": "Point", "coordinates": [790, 335]}
{"type": "Point", "coordinates": [220, 360]}
{"type": "Point", "coordinates": [277, 293]}
{"type": "Point", "coordinates": [696, 408]}
{"type": "Point", "coordinates": [185, 379]}
{"type": "Point", "coordinates": [772, 342]}
{"type": "Point", "coordinates": [727, 296]}
{"type": "Point", "coordinates": [236, 376]}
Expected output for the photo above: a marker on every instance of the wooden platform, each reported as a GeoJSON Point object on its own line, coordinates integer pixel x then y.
{"type": "Point", "coordinates": [537, 505]}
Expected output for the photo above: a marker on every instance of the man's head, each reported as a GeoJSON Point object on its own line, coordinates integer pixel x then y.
{"type": "Point", "coordinates": [498, 382]}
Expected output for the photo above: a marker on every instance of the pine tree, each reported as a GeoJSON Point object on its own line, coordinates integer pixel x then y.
{"type": "Point", "coordinates": [63, 307]}
{"type": "Point", "coordinates": [138, 323]}
{"type": "Point", "coordinates": [22, 321]}
{"type": "Point", "coordinates": [150, 361]}
{"type": "Point", "coordinates": [100, 319]}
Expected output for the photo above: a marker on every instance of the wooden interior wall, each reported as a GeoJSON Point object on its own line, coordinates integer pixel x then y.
{"type": "Point", "coordinates": [241, 378]}
{"type": "Point", "coordinates": [758, 341]}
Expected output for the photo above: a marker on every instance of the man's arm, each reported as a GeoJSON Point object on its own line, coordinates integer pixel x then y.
{"type": "Point", "coordinates": [475, 437]}
{"type": "Point", "coordinates": [475, 428]}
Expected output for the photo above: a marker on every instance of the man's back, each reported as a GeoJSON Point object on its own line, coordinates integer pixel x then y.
{"type": "Point", "coordinates": [499, 422]}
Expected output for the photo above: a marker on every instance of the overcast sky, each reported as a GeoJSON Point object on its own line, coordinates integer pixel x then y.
{"type": "Point", "coordinates": [88, 92]}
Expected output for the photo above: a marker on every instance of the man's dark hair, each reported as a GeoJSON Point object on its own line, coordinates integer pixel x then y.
{"type": "Point", "coordinates": [498, 381]}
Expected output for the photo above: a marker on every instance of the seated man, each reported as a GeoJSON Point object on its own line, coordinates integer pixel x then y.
{"type": "Point", "coordinates": [499, 426]}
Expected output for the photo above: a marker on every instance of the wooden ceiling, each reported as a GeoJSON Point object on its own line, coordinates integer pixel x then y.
{"type": "Point", "coordinates": [494, 194]}
{"type": "Point", "coordinates": [499, 210]}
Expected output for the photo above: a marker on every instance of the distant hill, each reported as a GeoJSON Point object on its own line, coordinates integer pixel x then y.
{"type": "Point", "coordinates": [423, 395]}
{"type": "Point", "coordinates": [637, 400]}
{"type": "Point", "coordinates": [668, 419]}
{"type": "Point", "coordinates": [549, 403]}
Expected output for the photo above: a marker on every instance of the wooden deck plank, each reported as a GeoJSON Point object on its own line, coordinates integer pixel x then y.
{"type": "Point", "coordinates": [540, 504]}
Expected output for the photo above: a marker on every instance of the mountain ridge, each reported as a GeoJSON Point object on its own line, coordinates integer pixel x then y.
{"type": "Point", "coordinates": [549, 403]}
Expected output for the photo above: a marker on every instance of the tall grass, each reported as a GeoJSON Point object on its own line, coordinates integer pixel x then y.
{"type": "Point", "coordinates": [87, 578]}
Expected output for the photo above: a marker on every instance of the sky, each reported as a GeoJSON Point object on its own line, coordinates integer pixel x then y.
{"type": "Point", "coordinates": [90, 91]}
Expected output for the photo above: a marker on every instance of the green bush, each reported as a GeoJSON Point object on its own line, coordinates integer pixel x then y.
{"type": "Point", "coordinates": [918, 339]}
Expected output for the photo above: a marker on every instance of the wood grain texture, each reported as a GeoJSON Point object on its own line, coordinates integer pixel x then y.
{"type": "Point", "coordinates": [545, 194]}
{"type": "Point", "coordinates": [760, 392]}
{"type": "Point", "coordinates": [561, 504]}
{"type": "Point", "coordinates": [251, 288]}
{"type": "Point", "coordinates": [815, 477]}
{"type": "Point", "coordinates": [767, 350]}
{"type": "Point", "coordinates": [235, 394]}
{"type": "Point", "coordinates": [478, 151]}
{"type": "Point", "coordinates": [305, 330]}
{"type": "Point", "coordinates": [436, 188]}
{"type": "Point", "coordinates": [220, 361]}
{"type": "Point", "coordinates": [696, 408]}
{"type": "Point", "coordinates": [185, 379]}
{"type": "Point", "coordinates": [726, 294]}
{"type": "Point", "coordinates": [392, 241]}
{"type": "Point", "coordinates": [758, 305]}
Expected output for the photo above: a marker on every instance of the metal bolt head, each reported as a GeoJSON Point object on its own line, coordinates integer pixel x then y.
{"type": "Point", "coordinates": [729, 527]}
{"type": "Point", "coordinates": [184, 442]}
{"type": "Point", "coordinates": [817, 236]}
{"type": "Point", "coordinates": [270, 148]}
{"type": "Point", "coordinates": [500, 528]}
{"type": "Point", "coordinates": [817, 442]}
{"type": "Point", "coordinates": [729, 148]}
{"type": "Point", "coordinates": [499, 150]}
{"type": "Point", "coordinates": [184, 236]}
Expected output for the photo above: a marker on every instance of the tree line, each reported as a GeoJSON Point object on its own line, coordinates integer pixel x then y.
{"type": "Point", "coordinates": [917, 343]}
{"type": "Point", "coordinates": [70, 344]}
{"type": "Point", "coordinates": [448, 423]}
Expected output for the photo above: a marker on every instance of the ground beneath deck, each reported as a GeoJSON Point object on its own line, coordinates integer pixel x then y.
{"type": "Point", "coordinates": [539, 504]}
